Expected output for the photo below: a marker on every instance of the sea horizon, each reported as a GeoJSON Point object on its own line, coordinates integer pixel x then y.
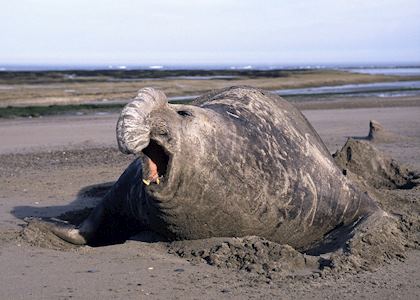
{"type": "Point", "coordinates": [34, 67]}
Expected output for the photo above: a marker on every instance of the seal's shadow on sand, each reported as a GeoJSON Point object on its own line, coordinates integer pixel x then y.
{"type": "Point", "coordinates": [75, 212]}
{"type": "Point", "coordinates": [88, 196]}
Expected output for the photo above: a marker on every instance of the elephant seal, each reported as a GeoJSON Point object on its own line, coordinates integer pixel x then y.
{"type": "Point", "coordinates": [239, 162]}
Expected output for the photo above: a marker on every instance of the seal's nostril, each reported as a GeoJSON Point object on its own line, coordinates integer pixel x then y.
{"type": "Point", "coordinates": [184, 113]}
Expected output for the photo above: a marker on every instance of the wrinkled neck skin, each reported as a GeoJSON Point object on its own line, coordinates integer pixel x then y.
{"type": "Point", "coordinates": [247, 163]}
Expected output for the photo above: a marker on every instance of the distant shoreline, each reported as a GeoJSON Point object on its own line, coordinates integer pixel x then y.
{"type": "Point", "coordinates": [322, 103]}
{"type": "Point", "coordinates": [33, 94]}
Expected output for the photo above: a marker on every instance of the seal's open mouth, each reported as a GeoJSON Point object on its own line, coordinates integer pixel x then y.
{"type": "Point", "coordinates": [158, 162]}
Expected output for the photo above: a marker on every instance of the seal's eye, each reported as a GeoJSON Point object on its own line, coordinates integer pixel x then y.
{"type": "Point", "coordinates": [184, 113]}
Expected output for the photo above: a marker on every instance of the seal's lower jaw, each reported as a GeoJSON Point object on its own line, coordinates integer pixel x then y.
{"type": "Point", "coordinates": [160, 159]}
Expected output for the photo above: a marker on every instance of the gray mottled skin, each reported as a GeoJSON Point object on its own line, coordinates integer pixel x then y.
{"type": "Point", "coordinates": [241, 162]}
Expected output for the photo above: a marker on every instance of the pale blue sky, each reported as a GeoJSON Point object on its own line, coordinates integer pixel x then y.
{"type": "Point", "coordinates": [209, 31]}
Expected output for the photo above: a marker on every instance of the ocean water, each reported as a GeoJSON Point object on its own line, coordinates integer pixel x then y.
{"type": "Point", "coordinates": [398, 71]}
{"type": "Point", "coordinates": [379, 89]}
{"type": "Point", "coordinates": [18, 68]}
{"type": "Point", "coordinates": [380, 69]}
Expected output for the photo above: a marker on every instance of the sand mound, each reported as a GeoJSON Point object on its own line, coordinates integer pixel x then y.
{"type": "Point", "coordinates": [377, 133]}
{"type": "Point", "coordinates": [377, 240]}
{"type": "Point", "coordinates": [373, 167]}
{"type": "Point", "coordinates": [367, 244]}
{"type": "Point", "coordinates": [396, 188]}
{"type": "Point", "coordinates": [252, 254]}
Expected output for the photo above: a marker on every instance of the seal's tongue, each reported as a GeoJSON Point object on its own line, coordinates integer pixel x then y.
{"type": "Point", "coordinates": [153, 172]}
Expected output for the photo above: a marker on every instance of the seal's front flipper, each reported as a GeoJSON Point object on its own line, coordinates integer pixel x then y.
{"type": "Point", "coordinates": [64, 230]}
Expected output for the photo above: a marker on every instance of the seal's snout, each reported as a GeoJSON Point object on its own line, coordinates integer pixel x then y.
{"type": "Point", "coordinates": [133, 126]}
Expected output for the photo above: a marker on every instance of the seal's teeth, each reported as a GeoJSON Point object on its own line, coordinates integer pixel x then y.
{"type": "Point", "coordinates": [146, 182]}
{"type": "Point", "coordinates": [158, 180]}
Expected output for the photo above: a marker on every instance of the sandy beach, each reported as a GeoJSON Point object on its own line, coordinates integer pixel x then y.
{"type": "Point", "coordinates": [61, 165]}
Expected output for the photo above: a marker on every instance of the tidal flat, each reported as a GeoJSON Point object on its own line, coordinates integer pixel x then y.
{"type": "Point", "coordinates": [34, 94]}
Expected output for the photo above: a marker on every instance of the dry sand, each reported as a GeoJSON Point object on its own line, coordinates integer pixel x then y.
{"type": "Point", "coordinates": [55, 167]}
